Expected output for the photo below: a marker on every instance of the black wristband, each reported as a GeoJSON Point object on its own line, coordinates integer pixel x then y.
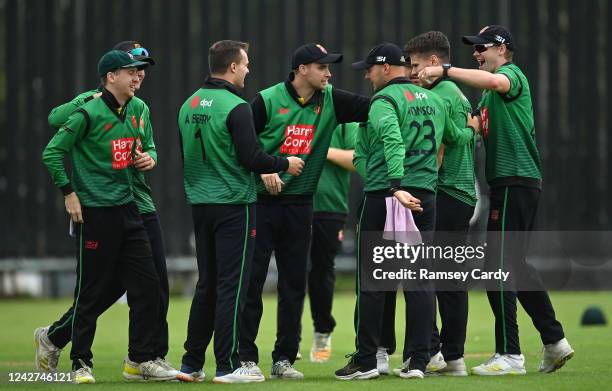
{"type": "Point", "coordinates": [66, 189]}
{"type": "Point", "coordinates": [445, 68]}
{"type": "Point", "coordinates": [473, 129]}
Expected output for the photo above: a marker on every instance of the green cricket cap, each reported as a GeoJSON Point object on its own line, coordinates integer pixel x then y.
{"type": "Point", "coordinates": [117, 59]}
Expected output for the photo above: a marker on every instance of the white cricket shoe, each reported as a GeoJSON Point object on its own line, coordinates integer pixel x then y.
{"type": "Point", "coordinates": [412, 374]}
{"type": "Point", "coordinates": [436, 363]}
{"type": "Point", "coordinates": [321, 347]}
{"type": "Point", "coordinates": [153, 370]}
{"type": "Point", "coordinates": [454, 368]}
{"type": "Point", "coordinates": [47, 354]}
{"type": "Point", "coordinates": [252, 365]}
{"type": "Point", "coordinates": [502, 364]}
{"type": "Point", "coordinates": [382, 361]}
{"type": "Point", "coordinates": [166, 365]}
{"type": "Point", "coordinates": [83, 375]}
{"type": "Point", "coordinates": [243, 374]}
{"type": "Point", "coordinates": [555, 356]}
{"type": "Point", "coordinates": [284, 370]}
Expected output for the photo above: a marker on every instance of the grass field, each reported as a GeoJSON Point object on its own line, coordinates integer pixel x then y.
{"type": "Point", "coordinates": [589, 370]}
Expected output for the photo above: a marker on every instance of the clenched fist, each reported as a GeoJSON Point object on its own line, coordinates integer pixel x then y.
{"type": "Point", "coordinates": [296, 165]}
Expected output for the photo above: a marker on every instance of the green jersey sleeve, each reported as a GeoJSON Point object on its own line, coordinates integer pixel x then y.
{"type": "Point", "coordinates": [454, 135]}
{"type": "Point", "coordinates": [350, 134]}
{"type": "Point", "coordinates": [148, 145]}
{"type": "Point", "coordinates": [516, 85]}
{"type": "Point", "coordinates": [60, 114]}
{"type": "Point", "coordinates": [61, 144]}
{"type": "Point", "coordinates": [383, 118]}
{"type": "Point", "coordinates": [361, 150]}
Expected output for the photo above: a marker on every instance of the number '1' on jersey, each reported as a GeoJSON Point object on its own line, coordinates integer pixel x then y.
{"type": "Point", "coordinates": [211, 172]}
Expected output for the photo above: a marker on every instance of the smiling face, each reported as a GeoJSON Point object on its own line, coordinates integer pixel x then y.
{"type": "Point", "coordinates": [123, 83]}
{"type": "Point", "coordinates": [489, 56]}
{"type": "Point", "coordinates": [316, 75]}
{"type": "Point", "coordinates": [241, 69]}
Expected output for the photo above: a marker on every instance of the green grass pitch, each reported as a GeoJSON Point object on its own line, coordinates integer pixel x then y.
{"type": "Point", "coordinates": [590, 369]}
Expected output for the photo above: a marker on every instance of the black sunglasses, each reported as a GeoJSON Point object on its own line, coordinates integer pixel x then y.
{"type": "Point", "coordinates": [481, 48]}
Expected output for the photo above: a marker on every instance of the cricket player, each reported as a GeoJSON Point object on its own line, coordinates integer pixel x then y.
{"type": "Point", "coordinates": [294, 117]}
{"type": "Point", "coordinates": [52, 339]}
{"type": "Point", "coordinates": [330, 205]}
{"type": "Point", "coordinates": [455, 200]}
{"type": "Point", "coordinates": [514, 175]}
{"type": "Point", "coordinates": [101, 139]}
{"type": "Point", "coordinates": [397, 158]}
{"type": "Point", "coordinates": [220, 153]}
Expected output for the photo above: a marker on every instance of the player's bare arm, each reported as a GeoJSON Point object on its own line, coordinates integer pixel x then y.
{"type": "Point", "coordinates": [341, 157]}
{"type": "Point", "coordinates": [472, 77]}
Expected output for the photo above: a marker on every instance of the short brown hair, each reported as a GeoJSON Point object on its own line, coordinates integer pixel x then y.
{"type": "Point", "coordinates": [431, 42]}
{"type": "Point", "coordinates": [222, 53]}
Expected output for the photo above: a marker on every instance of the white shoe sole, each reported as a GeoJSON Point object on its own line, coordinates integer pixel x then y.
{"type": "Point", "coordinates": [433, 370]}
{"type": "Point", "coordinates": [188, 378]}
{"type": "Point", "coordinates": [499, 373]}
{"type": "Point", "coordinates": [130, 377]}
{"type": "Point", "coordinates": [85, 381]}
{"type": "Point", "coordinates": [410, 376]}
{"type": "Point", "coordinates": [222, 380]}
{"type": "Point", "coordinates": [558, 363]}
{"type": "Point", "coordinates": [286, 377]}
{"type": "Point", "coordinates": [371, 374]}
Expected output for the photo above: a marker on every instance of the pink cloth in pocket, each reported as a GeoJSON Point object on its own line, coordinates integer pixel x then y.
{"type": "Point", "coordinates": [399, 223]}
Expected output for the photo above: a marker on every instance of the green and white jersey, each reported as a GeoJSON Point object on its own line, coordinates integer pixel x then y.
{"type": "Point", "coordinates": [211, 171]}
{"type": "Point", "coordinates": [405, 127]}
{"type": "Point", "coordinates": [139, 113]}
{"type": "Point", "coordinates": [296, 130]}
{"type": "Point", "coordinates": [508, 130]}
{"type": "Point", "coordinates": [456, 174]}
{"type": "Point", "coordinates": [333, 189]}
{"type": "Point", "coordinates": [100, 141]}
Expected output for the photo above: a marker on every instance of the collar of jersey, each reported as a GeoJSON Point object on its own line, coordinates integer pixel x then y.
{"type": "Point", "coordinates": [109, 99]}
{"type": "Point", "coordinates": [315, 99]}
{"type": "Point", "coordinates": [397, 80]}
{"type": "Point", "coordinates": [505, 65]}
{"type": "Point", "coordinates": [216, 83]}
{"type": "Point", "coordinates": [438, 81]}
